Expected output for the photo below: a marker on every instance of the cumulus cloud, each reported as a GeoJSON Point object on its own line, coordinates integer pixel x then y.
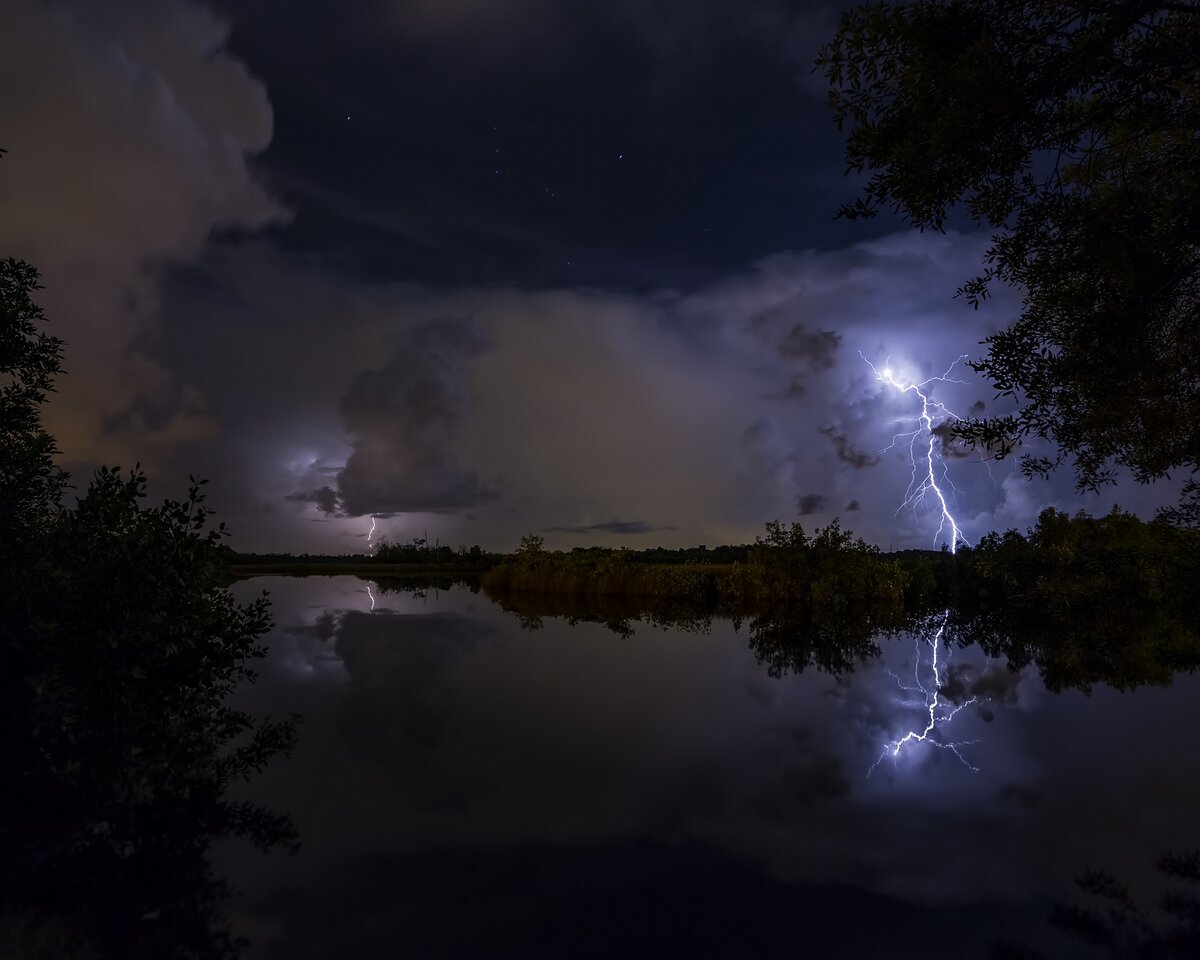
{"type": "Point", "coordinates": [404, 419]}
{"type": "Point", "coordinates": [325, 498]}
{"type": "Point", "coordinates": [568, 411]}
{"type": "Point", "coordinates": [815, 348]}
{"type": "Point", "coordinates": [128, 145]}
{"type": "Point", "coordinates": [846, 452]}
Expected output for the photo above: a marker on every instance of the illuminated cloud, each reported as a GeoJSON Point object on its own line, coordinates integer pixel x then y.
{"type": "Point", "coordinates": [129, 128]}
{"type": "Point", "coordinates": [562, 410]}
{"type": "Point", "coordinates": [404, 419]}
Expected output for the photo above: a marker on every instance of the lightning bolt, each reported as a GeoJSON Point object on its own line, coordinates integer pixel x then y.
{"type": "Point", "coordinates": [928, 695]}
{"type": "Point", "coordinates": [928, 466]}
{"type": "Point", "coordinates": [370, 534]}
{"type": "Point", "coordinates": [929, 475]}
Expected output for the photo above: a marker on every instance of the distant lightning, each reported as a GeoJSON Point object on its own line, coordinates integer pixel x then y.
{"type": "Point", "coordinates": [930, 698]}
{"type": "Point", "coordinates": [370, 534]}
{"type": "Point", "coordinates": [929, 471]}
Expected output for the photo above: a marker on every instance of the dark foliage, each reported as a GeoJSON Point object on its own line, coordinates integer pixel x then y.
{"type": "Point", "coordinates": [419, 552]}
{"type": "Point", "coordinates": [1090, 600]}
{"type": "Point", "coordinates": [30, 483]}
{"type": "Point", "coordinates": [815, 600]}
{"type": "Point", "coordinates": [1067, 127]}
{"type": "Point", "coordinates": [818, 601]}
{"type": "Point", "coordinates": [120, 649]}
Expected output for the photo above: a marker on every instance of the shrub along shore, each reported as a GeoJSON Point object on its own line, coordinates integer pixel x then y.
{"type": "Point", "coordinates": [1114, 593]}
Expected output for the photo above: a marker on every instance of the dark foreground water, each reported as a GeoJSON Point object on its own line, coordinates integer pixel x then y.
{"type": "Point", "coordinates": [467, 787]}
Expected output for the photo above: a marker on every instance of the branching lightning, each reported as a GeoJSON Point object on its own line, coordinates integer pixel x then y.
{"type": "Point", "coordinates": [929, 471]}
{"type": "Point", "coordinates": [928, 695]}
{"type": "Point", "coordinates": [929, 475]}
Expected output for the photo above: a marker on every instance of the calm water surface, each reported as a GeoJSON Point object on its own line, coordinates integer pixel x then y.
{"type": "Point", "coordinates": [468, 787]}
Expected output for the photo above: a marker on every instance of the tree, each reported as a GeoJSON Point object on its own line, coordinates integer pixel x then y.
{"type": "Point", "coordinates": [1067, 127]}
{"type": "Point", "coordinates": [819, 600]}
{"type": "Point", "coordinates": [30, 482]}
{"type": "Point", "coordinates": [120, 647]}
{"type": "Point", "coordinates": [1088, 599]}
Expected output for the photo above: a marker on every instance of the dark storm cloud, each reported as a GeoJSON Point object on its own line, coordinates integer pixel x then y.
{"type": "Point", "coordinates": [612, 526]}
{"type": "Point", "coordinates": [994, 684]}
{"type": "Point", "coordinates": [810, 503]}
{"type": "Point", "coordinates": [816, 348]}
{"type": "Point", "coordinates": [325, 498]}
{"type": "Point", "coordinates": [796, 390]}
{"type": "Point", "coordinates": [846, 452]}
{"type": "Point", "coordinates": [949, 445]}
{"type": "Point", "coordinates": [404, 419]}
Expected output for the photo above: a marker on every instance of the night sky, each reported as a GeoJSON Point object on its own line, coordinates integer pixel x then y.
{"type": "Point", "coordinates": [481, 269]}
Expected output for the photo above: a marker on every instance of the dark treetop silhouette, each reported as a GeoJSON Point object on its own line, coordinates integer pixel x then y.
{"type": "Point", "coordinates": [120, 649]}
{"type": "Point", "coordinates": [1068, 128]}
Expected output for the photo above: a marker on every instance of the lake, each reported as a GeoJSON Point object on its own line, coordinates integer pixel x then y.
{"type": "Point", "coordinates": [468, 786]}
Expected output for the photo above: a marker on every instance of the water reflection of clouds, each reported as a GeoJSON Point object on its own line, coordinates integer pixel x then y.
{"type": "Point", "coordinates": [453, 729]}
{"type": "Point", "coordinates": [310, 616]}
{"type": "Point", "coordinates": [571, 733]}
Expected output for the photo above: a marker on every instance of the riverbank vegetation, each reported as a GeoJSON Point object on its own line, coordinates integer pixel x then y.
{"type": "Point", "coordinates": [1089, 599]}
{"type": "Point", "coordinates": [120, 649]}
{"type": "Point", "coordinates": [387, 559]}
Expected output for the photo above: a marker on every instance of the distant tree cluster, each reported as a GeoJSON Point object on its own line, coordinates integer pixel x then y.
{"type": "Point", "coordinates": [598, 571]}
{"type": "Point", "coordinates": [419, 552]}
